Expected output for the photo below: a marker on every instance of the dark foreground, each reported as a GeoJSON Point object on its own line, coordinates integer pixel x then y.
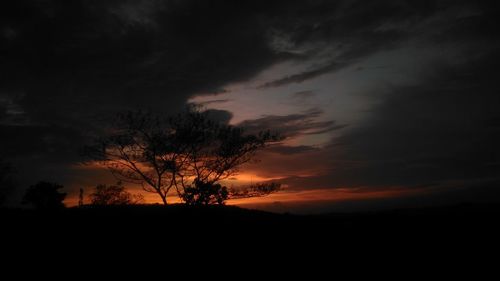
{"type": "Point", "coordinates": [466, 218]}
{"type": "Point", "coordinates": [231, 229]}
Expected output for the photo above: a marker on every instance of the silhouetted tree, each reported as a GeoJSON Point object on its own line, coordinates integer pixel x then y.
{"type": "Point", "coordinates": [45, 195]}
{"type": "Point", "coordinates": [114, 195]}
{"type": "Point", "coordinates": [80, 198]}
{"type": "Point", "coordinates": [202, 193]}
{"type": "Point", "coordinates": [214, 152]}
{"type": "Point", "coordinates": [188, 152]}
{"type": "Point", "coordinates": [140, 148]}
{"type": "Point", "coordinates": [254, 190]}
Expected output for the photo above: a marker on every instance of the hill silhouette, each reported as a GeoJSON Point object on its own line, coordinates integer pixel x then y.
{"type": "Point", "coordinates": [475, 218]}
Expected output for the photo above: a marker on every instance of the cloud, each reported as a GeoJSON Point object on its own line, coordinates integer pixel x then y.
{"type": "Point", "coordinates": [75, 63]}
{"type": "Point", "coordinates": [76, 60]}
{"type": "Point", "coordinates": [210, 102]}
{"type": "Point", "coordinates": [439, 129]}
{"type": "Point", "coordinates": [289, 150]}
{"type": "Point", "coordinates": [50, 144]}
{"type": "Point", "coordinates": [301, 77]}
{"type": "Point", "coordinates": [303, 95]}
{"type": "Point", "coordinates": [344, 32]}
{"type": "Point", "coordinates": [435, 131]}
{"type": "Point", "coordinates": [138, 12]}
{"type": "Point", "coordinates": [220, 116]}
{"type": "Point", "coordinates": [293, 125]}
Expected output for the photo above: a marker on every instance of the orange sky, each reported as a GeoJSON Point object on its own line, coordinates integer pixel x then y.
{"type": "Point", "coordinates": [287, 195]}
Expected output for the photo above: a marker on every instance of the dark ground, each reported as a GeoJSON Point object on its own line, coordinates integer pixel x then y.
{"type": "Point", "coordinates": [458, 220]}
{"type": "Point", "coordinates": [253, 240]}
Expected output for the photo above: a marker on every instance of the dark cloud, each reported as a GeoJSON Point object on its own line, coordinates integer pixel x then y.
{"type": "Point", "coordinates": [292, 125]}
{"type": "Point", "coordinates": [301, 77]}
{"type": "Point", "coordinates": [437, 129]}
{"type": "Point", "coordinates": [73, 63]}
{"type": "Point", "coordinates": [221, 116]}
{"type": "Point", "coordinates": [71, 57]}
{"type": "Point", "coordinates": [210, 102]}
{"type": "Point", "coordinates": [73, 60]}
{"type": "Point", "coordinates": [303, 95]}
{"type": "Point", "coordinates": [288, 150]}
{"type": "Point", "coordinates": [50, 144]}
{"type": "Point", "coordinates": [349, 31]}
{"type": "Point", "coordinates": [442, 131]}
{"type": "Point", "coordinates": [303, 98]}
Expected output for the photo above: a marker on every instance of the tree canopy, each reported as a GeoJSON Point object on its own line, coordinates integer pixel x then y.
{"type": "Point", "coordinates": [104, 195]}
{"type": "Point", "coordinates": [189, 153]}
{"type": "Point", "coordinates": [45, 196]}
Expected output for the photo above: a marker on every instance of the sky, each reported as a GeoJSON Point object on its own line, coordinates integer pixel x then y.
{"type": "Point", "coordinates": [386, 103]}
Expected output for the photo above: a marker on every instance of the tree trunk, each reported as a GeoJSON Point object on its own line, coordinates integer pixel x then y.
{"type": "Point", "coordinates": [164, 199]}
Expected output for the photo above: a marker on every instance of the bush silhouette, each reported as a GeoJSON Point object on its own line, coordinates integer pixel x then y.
{"type": "Point", "coordinates": [114, 195]}
{"type": "Point", "coordinates": [255, 190]}
{"type": "Point", "coordinates": [45, 196]}
{"type": "Point", "coordinates": [203, 193]}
